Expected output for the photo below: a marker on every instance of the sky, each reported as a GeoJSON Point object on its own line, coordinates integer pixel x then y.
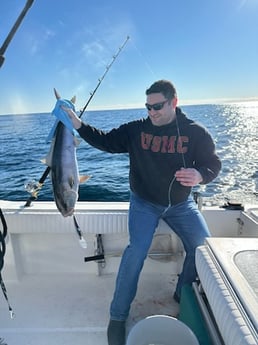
{"type": "Point", "coordinates": [207, 48]}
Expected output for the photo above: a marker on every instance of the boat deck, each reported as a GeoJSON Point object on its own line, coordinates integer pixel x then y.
{"type": "Point", "coordinates": [74, 309]}
{"type": "Point", "coordinates": [58, 298]}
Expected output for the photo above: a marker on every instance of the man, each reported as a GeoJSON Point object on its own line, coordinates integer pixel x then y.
{"type": "Point", "coordinates": [169, 154]}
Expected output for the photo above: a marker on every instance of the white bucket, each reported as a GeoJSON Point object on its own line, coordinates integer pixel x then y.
{"type": "Point", "coordinates": [161, 330]}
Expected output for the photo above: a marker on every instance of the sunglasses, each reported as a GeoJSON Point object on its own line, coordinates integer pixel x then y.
{"type": "Point", "coordinates": [156, 106]}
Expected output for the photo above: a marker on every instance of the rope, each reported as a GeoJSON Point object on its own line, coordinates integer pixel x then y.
{"type": "Point", "coordinates": [2, 240]}
{"type": "Point", "coordinates": [147, 65]}
{"type": "Point", "coordinates": [2, 253]}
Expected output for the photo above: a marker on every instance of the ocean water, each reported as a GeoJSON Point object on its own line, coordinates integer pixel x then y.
{"type": "Point", "coordinates": [234, 128]}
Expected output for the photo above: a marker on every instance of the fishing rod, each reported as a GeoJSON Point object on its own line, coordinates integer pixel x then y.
{"type": "Point", "coordinates": [13, 30]}
{"type": "Point", "coordinates": [103, 76]}
{"type": "Point", "coordinates": [34, 187]}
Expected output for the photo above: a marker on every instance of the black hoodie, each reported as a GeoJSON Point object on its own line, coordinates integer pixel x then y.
{"type": "Point", "coordinates": [157, 152]}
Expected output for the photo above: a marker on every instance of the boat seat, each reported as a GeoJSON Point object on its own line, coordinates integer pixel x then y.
{"type": "Point", "coordinates": [162, 330]}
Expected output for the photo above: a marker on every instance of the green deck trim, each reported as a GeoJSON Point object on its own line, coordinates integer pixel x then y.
{"type": "Point", "coordinates": [191, 315]}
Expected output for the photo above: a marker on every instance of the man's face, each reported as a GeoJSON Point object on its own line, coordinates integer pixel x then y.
{"type": "Point", "coordinates": [160, 110]}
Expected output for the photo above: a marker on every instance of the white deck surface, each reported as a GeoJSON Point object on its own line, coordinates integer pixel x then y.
{"type": "Point", "coordinates": [53, 307]}
{"type": "Point", "coordinates": [74, 309]}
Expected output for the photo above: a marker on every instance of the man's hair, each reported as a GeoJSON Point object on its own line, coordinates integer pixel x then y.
{"type": "Point", "coordinates": [162, 86]}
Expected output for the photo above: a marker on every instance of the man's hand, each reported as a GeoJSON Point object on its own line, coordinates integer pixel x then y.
{"type": "Point", "coordinates": [76, 121]}
{"type": "Point", "coordinates": [188, 177]}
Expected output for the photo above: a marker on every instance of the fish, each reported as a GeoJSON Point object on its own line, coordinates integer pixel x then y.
{"type": "Point", "coordinates": [62, 160]}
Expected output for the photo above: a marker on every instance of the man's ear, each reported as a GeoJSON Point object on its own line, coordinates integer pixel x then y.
{"type": "Point", "coordinates": [174, 102]}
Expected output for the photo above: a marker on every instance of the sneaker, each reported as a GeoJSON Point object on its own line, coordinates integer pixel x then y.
{"type": "Point", "coordinates": [116, 332]}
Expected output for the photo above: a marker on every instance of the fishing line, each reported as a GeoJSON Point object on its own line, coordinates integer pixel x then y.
{"type": "Point", "coordinates": [144, 60]}
{"type": "Point", "coordinates": [179, 136]}
{"type": "Point", "coordinates": [177, 126]}
{"type": "Point", "coordinates": [174, 178]}
{"type": "Point", "coordinates": [37, 186]}
{"type": "Point", "coordinates": [103, 76]}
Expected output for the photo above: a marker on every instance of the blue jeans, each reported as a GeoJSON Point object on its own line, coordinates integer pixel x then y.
{"type": "Point", "coordinates": [185, 220]}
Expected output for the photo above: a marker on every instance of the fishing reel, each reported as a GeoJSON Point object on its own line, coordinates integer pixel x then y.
{"type": "Point", "coordinates": [32, 187]}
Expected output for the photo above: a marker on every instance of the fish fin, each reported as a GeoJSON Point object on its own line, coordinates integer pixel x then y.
{"type": "Point", "coordinates": [57, 94]}
{"type": "Point", "coordinates": [73, 99]}
{"type": "Point", "coordinates": [45, 161]}
{"type": "Point", "coordinates": [77, 141]}
{"type": "Point", "coordinates": [84, 178]}
{"type": "Point", "coordinates": [48, 158]}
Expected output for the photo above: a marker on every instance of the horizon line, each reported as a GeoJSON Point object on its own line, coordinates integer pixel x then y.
{"type": "Point", "coordinates": [139, 106]}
